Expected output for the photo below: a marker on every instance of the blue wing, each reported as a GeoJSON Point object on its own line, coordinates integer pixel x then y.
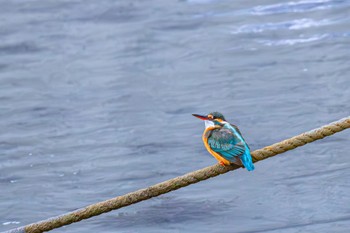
{"type": "Point", "coordinates": [239, 132]}
{"type": "Point", "coordinates": [229, 143]}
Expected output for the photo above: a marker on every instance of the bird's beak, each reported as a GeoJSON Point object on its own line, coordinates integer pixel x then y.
{"type": "Point", "coordinates": [201, 117]}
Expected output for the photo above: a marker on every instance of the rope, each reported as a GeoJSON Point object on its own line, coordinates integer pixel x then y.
{"type": "Point", "coordinates": [181, 181]}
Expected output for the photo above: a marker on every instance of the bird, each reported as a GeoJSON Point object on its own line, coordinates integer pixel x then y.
{"type": "Point", "coordinates": [224, 141]}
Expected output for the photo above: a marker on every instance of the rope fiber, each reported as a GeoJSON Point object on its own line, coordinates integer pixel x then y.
{"type": "Point", "coordinates": [181, 181]}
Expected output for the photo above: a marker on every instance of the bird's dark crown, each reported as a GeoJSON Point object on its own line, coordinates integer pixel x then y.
{"type": "Point", "coordinates": [217, 115]}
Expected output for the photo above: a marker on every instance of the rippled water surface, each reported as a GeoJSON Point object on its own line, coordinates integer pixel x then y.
{"type": "Point", "coordinates": [96, 100]}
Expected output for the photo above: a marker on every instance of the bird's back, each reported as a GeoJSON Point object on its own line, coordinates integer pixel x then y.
{"type": "Point", "coordinates": [228, 142]}
{"type": "Point", "coordinates": [223, 138]}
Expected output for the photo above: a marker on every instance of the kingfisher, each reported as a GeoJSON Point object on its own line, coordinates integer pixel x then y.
{"type": "Point", "coordinates": [224, 141]}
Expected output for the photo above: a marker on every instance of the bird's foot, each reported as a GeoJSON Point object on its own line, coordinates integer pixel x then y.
{"type": "Point", "coordinates": [222, 164]}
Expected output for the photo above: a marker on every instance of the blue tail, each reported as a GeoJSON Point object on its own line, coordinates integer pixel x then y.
{"type": "Point", "coordinates": [247, 161]}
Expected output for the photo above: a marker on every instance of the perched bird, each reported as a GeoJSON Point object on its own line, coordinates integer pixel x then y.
{"type": "Point", "coordinates": [225, 142]}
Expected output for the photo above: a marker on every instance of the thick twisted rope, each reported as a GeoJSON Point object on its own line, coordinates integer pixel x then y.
{"type": "Point", "coordinates": [181, 181]}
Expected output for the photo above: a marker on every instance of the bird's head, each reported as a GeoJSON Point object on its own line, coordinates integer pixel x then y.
{"type": "Point", "coordinates": [212, 119]}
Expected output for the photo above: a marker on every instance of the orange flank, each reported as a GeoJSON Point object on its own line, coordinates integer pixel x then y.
{"type": "Point", "coordinates": [205, 137]}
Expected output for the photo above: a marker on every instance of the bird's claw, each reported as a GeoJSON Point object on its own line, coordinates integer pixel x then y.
{"type": "Point", "coordinates": [222, 163]}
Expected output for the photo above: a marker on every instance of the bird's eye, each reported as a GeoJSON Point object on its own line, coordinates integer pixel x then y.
{"type": "Point", "coordinates": [210, 117]}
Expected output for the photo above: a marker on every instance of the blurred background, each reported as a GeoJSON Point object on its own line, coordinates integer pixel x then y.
{"type": "Point", "coordinates": [96, 100]}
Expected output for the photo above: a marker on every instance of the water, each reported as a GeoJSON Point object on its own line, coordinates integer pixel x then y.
{"type": "Point", "coordinates": [96, 101]}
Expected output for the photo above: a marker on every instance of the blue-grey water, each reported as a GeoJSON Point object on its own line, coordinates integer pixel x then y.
{"type": "Point", "coordinates": [96, 100]}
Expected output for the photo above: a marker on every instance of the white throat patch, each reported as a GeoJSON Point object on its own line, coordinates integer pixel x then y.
{"type": "Point", "coordinates": [208, 123]}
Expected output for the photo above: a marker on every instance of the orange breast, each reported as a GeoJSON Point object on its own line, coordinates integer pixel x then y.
{"type": "Point", "coordinates": [205, 137]}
